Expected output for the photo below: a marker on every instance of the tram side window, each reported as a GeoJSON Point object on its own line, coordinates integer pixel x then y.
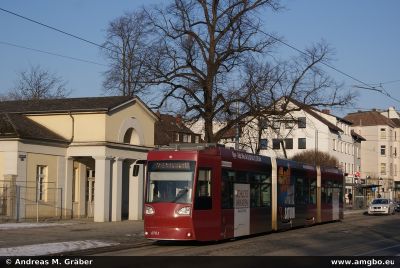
{"type": "Point", "coordinates": [326, 194]}
{"type": "Point", "coordinates": [242, 177]}
{"type": "Point", "coordinates": [300, 192]}
{"type": "Point", "coordinates": [203, 198]}
{"type": "Point", "coordinates": [266, 195]}
{"type": "Point", "coordinates": [255, 195]}
{"type": "Point", "coordinates": [228, 177]}
{"type": "Point", "coordinates": [260, 190]}
{"type": "Point", "coordinates": [313, 192]}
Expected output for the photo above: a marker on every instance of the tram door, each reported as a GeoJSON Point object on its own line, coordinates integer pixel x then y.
{"type": "Point", "coordinates": [205, 213]}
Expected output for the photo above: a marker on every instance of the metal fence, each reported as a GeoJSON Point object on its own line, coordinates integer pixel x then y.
{"type": "Point", "coordinates": [28, 202]}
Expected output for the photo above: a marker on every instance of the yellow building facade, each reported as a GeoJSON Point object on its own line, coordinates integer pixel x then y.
{"type": "Point", "coordinates": [74, 158]}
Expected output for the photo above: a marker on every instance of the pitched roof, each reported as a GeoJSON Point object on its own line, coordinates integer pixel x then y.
{"type": "Point", "coordinates": [166, 127]}
{"type": "Point", "coordinates": [64, 105]}
{"type": "Point", "coordinates": [369, 118]}
{"type": "Point", "coordinates": [396, 121]}
{"type": "Point", "coordinates": [19, 126]}
{"type": "Point", "coordinates": [312, 111]}
{"type": "Point", "coordinates": [357, 136]}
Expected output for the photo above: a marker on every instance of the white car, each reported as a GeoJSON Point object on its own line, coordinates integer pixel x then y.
{"type": "Point", "coordinates": [381, 206]}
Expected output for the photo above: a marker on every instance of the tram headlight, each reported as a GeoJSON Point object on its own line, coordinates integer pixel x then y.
{"type": "Point", "coordinates": [148, 210]}
{"type": "Point", "coordinates": [184, 211]}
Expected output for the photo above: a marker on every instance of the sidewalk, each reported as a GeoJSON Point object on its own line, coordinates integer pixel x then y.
{"type": "Point", "coordinates": [349, 210]}
{"type": "Point", "coordinates": [46, 238]}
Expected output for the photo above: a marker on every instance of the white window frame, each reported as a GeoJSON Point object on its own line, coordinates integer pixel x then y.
{"type": "Point", "coordinates": [41, 176]}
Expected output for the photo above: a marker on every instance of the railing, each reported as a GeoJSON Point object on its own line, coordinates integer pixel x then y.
{"type": "Point", "coordinates": [19, 202]}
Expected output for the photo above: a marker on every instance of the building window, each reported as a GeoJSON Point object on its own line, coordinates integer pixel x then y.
{"type": "Point", "coordinates": [276, 124]}
{"type": "Point", "coordinates": [383, 150]}
{"type": "Point", "coordinates": [383, 133]}
{"type": "Point", "coordinates": [263, 123]}
{"type": "Point", "coordinates": [302, 143]}
{"type": "Point", "coordinates": [187, 138]}
{"type": "Point", "coordinates": [289, 143]}
{"type": "Point", "coordinates": [131, 137]}
{"type": "Point", "coordinates": [41, 175]}
{"type": "Point", "coordinates": [391, 169]}
{"type": "Point", "coordinates": [75, 185]}
{"type": "Point", "coordinates": [276, 144]}
{"type": "Point", "coordinates": [263, 144]}
{"type": "Point", "coordinates": [176, 136]}
{"type": "Point", "coordinates": [289, 124]}
{"type": "Point", "coordinates": [302, 123]}
{"type": "Point", "coordinates": [196, 139]}
{"type": "Point", "coordinates": [383, 168]}
{"type": "Point", "coordinates": [395, 151]}
{"type": "Point", "coordinates": [395, 169]}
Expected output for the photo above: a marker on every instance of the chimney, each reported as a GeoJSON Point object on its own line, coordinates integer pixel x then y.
{"type": "Point", "coordinates": [178, 119]}
{"type": "Point", "coordinates": [326, 111]}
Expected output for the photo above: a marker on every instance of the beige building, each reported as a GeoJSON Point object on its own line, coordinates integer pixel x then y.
{"type": "Point", "coordinates": [77, 157]}
{"type": "Point", "coordinates": [379, 153]}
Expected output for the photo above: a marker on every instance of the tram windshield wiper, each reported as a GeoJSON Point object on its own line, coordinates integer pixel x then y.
{"type": "Point", "coordinates": [180, 195]}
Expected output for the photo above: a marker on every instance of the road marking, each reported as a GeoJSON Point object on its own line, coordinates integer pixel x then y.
{"type": "Point", "coordinates": [374, 251]}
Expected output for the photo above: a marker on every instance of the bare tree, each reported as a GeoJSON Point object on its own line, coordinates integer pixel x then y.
{"type": "Point", "coordinates": [211, 58]}
{"type": "Point", "coordinates": [37, 83]}
{"type": "Point", "coordinates": [281, 90]}
{"type": "Point", "coordinates": [125, 48]}
{"type": "Point", "coordinates": [313, 157]}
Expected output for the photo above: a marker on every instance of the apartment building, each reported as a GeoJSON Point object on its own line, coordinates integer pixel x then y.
{"type": "Point", "coordinates": [379, 153]}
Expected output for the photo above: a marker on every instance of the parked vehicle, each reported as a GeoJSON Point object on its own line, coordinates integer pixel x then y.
{"type": "Point", "coordinates": [381, 206]}
{"type": "Point", "coordinates": [397, 207]}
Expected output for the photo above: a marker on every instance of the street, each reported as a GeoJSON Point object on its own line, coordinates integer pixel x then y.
{"type": "Point", "coordinates": [357, 235]}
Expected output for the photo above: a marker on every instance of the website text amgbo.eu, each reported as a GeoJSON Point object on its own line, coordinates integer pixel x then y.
{"type": "Point", "coordinates": [363, 262]}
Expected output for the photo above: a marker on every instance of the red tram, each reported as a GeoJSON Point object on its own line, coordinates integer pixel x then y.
{"type": "Point", "coordinates": [215, 193]}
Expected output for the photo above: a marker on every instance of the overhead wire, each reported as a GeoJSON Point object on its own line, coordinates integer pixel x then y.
{"type": "Point", "coordinates": [55, 29]}
{"type": "Point", "coordinates": [367, 86]}
{"type": "Point", "coordinates": [51, 53]}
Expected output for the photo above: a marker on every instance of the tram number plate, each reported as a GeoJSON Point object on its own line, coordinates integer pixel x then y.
{"type": "Point", "coordinates": [155, 233]}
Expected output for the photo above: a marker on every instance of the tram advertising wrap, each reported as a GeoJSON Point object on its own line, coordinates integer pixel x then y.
{"type": "Point", "coordinates": [210, 193]}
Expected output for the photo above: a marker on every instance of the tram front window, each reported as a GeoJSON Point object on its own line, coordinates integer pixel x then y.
{"type": "Point", "coordinates": [170, 181]}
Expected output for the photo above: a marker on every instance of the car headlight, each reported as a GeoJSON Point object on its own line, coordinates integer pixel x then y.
{"type": "Point", "coordinates": [385, 207]}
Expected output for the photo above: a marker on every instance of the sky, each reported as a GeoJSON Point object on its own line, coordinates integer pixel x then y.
{"type": "Point", "coordinates": [364, 34]}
